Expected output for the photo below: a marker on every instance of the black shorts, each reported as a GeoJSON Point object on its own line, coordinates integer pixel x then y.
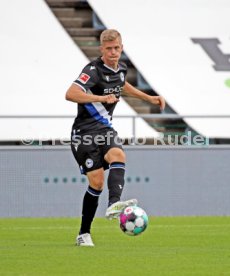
{"type": "Point", "coordinates": [89, 149]}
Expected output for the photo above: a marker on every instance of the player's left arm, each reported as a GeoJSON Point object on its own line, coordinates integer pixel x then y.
{"type": "Point", "coordinates": [134, 92]}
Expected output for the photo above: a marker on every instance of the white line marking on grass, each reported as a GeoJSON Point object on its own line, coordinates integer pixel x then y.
{"type": "Point", "coordinates": [111, 226]}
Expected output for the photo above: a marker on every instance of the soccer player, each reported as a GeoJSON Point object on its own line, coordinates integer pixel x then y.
{"type": "Point", "coordinates": [94, 142]}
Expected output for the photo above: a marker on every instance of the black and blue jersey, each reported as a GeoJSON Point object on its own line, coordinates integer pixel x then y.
{"type": "Point", "coordinates": [98, 79]}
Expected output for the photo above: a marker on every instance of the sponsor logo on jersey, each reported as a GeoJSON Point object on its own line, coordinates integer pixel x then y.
{"type": "Point", "coordinates": [122, 76]}
{"type": "Point", "coordinates": [107, 78]}
{"type": "Point", "coordinates": [83, 78]}
{"type": "Point", "coordinates": [89, 163]}
{"type": "Point", "coordinates": [113, 90]}
{"type": "Point", "coordinates": [92, 68]}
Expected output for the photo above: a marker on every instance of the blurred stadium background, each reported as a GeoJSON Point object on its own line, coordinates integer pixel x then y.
{"type": "Point", "coordinates": [179, 50]}
{"type": "Point", "coordinates": [177, 160]}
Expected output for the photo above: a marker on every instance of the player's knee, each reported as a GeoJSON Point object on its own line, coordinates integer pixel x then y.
{"type": "Point", "coordinates": [98, 184]}
{"type": "Point", "coordinates": [120, 156]}
{"type": "Point", "coordinates": [96, 180]}
{"type": "Point", "coordinates": [115, 155]}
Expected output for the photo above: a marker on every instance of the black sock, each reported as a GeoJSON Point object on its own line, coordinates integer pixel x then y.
{"type": "Point", "coordinates": [90, 203]}
{"type": "Point", "coordinates": [116, 181]}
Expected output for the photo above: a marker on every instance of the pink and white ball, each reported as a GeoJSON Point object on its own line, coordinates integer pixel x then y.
{"type": "Point", "coordinates": [133, 220]}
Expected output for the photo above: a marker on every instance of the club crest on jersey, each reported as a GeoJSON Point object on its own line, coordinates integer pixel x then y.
{"type": "Point", "coordinates": [83, 78]}
{"type": "Point", "coordinates": [122, 76]}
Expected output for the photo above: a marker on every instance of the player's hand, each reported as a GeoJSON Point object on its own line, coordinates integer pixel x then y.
{"type": "Point", "coordinates": [159, 100]}
{"type": "Point", "coordinates": [110, 99]}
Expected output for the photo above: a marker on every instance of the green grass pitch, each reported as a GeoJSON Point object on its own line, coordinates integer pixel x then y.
{"type": "Point", "coordinates": [170, 246]}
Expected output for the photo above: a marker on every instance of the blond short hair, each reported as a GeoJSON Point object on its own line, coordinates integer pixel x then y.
{"type": "Point", "coordinates": [110, 35]}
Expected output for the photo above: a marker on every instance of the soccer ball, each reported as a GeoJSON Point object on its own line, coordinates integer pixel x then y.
{"type": "Point", "coordinates": [133, 220]}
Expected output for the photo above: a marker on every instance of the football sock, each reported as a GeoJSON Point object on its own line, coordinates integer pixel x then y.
{"type": "Point", "coordinates": [116, 181]}
{"type": "Point", "coordinates": [90, 203]}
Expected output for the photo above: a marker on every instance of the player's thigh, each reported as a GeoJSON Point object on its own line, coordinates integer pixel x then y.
{"type": "Point", "coordinates": [113, 150]}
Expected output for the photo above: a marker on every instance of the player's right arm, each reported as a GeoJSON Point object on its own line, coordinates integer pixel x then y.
{"type": "Point", "coordinates": [79, 90]}
{"type": "Point", "coordinates": [76, 94]}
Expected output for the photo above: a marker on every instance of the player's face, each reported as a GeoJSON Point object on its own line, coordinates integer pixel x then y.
{"type": "Point", "coordinates": [111, 52]}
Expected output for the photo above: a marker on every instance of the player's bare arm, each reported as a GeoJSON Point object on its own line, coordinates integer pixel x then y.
{"type": "Point", "coordinates": [134, 92]}
{"type": "Point", "coordinates": [77, 95]}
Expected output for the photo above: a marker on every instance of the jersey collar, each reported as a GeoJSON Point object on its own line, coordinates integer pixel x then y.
{"type": "Point", "coordinates": [115, 71]}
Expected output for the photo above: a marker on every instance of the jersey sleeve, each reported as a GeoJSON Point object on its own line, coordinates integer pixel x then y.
{"type": "Point", "coordinates": [88, 78]}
